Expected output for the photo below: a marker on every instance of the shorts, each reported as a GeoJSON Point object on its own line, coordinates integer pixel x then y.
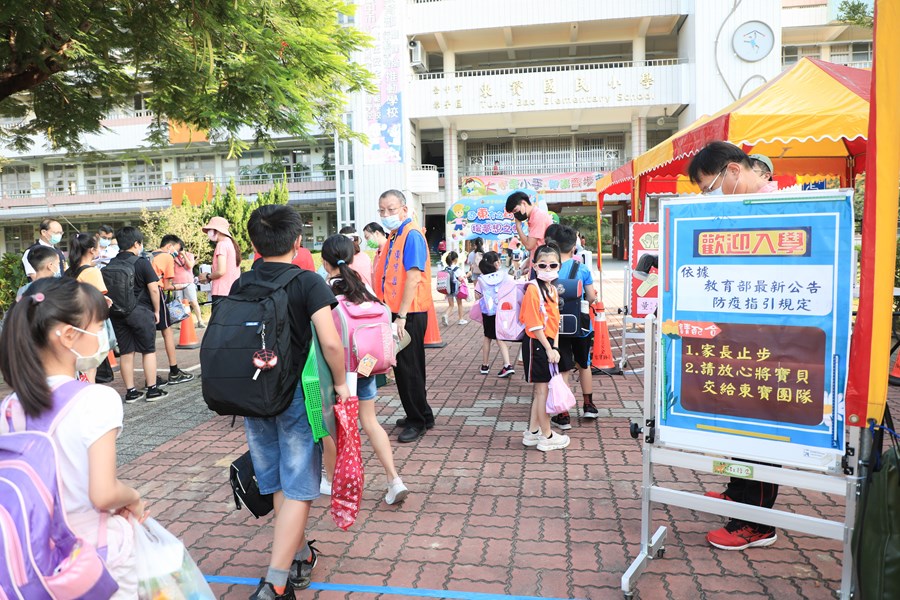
{"type": "Point", "coordinates": [284, 455]}
{"type": "Point", "coordinates": [489, 325]}
{"type": "Point", "coordinates": [366, 388]}
{"type": "Point", "coordinates": [136, 332]}
{"type": "Point", "coordinates": [164, 321]}
{"type": "Point", "coordinates": [534, 357]}
{"type": "Point", "coordinates": [575, 351]}
{"type": "Point", "coordinates": [189, 292]}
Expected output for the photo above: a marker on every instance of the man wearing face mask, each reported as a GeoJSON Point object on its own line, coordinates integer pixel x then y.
{"type": "Point", "coordinates": [723, 168]}
{"type": "Point", "coordinates": [108, 249]}
{"type": "Point", "coordinates": [50, 235]}
{"type": "Point", "coordinates": [403, 282]}
{"type": "Point", "coordinates": [538, 220]}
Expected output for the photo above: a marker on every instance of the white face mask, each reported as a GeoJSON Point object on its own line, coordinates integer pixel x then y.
{"type": "Point", "coordinates": [548, 275]}
{"type": "Point", "coordinates": [91, 361]}
{"type": "Point", "coordinates": [212, 235]}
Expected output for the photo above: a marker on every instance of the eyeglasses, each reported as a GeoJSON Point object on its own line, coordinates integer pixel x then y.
{"type": "Point", "coordinates": [545, 266]}
{"type": "Point", "coordinates": [709, 189]}
{"type": "Point", "coordinates": [383, 212]}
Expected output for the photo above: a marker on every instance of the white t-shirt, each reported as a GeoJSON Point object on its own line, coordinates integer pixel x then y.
{"type": "Point", "coordinates": [97, 410]}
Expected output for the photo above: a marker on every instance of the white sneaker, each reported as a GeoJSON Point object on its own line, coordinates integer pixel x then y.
{"type": "Point", "coordinates": [445, 319]}
{"type": "Point", "coordinates": [556, 441]}
{"type": "Point", "coordinates": [397, 492]}
{"type": "Point", "coordinates": [325, 487]}
{"type": "Point", "coordinates": [463, 322]}
{"type": "Point", "coordinates": [531, 439]}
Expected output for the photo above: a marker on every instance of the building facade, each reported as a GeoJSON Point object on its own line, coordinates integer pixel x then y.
{"type": "Point", "coordinates": [466, 88]}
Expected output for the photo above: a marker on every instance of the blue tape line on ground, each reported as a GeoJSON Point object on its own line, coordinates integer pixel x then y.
{"type": "Point", "coordinates": [374, 589]}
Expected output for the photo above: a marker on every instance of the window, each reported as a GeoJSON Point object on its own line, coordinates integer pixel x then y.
{"type": "Point", "coordinates": [602, 153]}
{"type": "Point", "coordinates": [16, 181]}
{"type": "Point", "coordinates": [197, 168]}
{"type": "Point", "coordinates": [145, 174]}
{"type": "Point", "coordinates": [19, 237]}
{"type": "Point", "coordinates": [140, 105]}
{"type": "Point", "coordinates": [792, 54]}
{"type": "Point", "coordinates": [249, 164]}
{"type": "Point", "coordinates": [101, 177]}
{"type": "Point", "coordinates": [61, 179]}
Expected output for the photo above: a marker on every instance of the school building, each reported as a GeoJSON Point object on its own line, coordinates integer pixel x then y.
{"type": "Point", "coordinates": [467, 89]}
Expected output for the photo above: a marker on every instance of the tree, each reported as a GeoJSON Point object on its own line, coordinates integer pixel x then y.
{"type": "Point", "coordinates": [214, 65]}
{"type": "Point", "coordinates": [856, 12]}
{"type": "Point", "coordinates": [184, 220]}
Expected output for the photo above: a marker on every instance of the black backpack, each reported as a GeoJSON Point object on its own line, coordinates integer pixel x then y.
{"type": "Point", "coordinates": [572, 321]}
{"type": "Point", "coordinates": [118, 276]}
{"type": "Point", "coordinates": [242, 324]}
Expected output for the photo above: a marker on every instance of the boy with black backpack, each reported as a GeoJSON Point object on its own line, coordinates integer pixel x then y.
{"type": "Point", "coordinates": [575, 349]}
{"type": "Point", "coordinates": [133, 287]}
{"type": "Point", "coordinates": [278, 301]}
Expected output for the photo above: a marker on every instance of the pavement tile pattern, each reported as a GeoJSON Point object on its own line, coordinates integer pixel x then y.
{"type": "Point", "coordinates": [484, 513]}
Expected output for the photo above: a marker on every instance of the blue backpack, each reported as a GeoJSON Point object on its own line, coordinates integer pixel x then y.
{"type": "Point", "coordinates": [41, 558]}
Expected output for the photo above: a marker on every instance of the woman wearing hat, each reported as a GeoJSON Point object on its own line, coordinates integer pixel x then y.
{"type": "Point", "coordinates": [226, 262]}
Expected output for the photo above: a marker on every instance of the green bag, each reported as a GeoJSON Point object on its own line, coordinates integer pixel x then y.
{"type": "Point", "coordinates": [877, 534]}
{"type": "Point", "coordinates": [318, 390]}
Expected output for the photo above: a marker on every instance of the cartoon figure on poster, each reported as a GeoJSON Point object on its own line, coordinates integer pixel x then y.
{"type": "Point", "coordinates": [755, 311]}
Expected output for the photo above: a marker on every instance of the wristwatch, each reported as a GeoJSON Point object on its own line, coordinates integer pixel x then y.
{"type": "Point", "coordinates": [401, 317]}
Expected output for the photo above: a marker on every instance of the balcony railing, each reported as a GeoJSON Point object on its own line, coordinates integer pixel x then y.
{"type": "Point", "coordinates": [593, 66]}
{"type": "Point", "coordinates": [245, 180]}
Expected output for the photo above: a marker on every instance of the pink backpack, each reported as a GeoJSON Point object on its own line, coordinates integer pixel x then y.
{"type": "Point", "coordinates": [443, 281]}
{"type": "Point", "coordinates": [365, 330]}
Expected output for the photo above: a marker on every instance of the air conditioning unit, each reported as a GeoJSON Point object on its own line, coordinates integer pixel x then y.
{"type": "Point", "coordinates": [418, 58]}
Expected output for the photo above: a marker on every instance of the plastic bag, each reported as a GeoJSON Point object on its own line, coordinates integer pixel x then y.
{"type": "Point", "coordinates": [347, 486]}
{"type": "Point", "coordinates": [559, 396]}
{"type": "Point", "coordinates": [165, 570]}
{"type": "Point", "coordinates": [475, 313]}
{"type": "Point", "coordinates": [463, 292]}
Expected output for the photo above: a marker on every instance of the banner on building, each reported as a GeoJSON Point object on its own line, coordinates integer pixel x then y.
{"type": "Point", "coordinates": [386, 61]}
{"type": "Point", "coordinates": [755, 310]}
{"type": "Point", "coordinates": [544, 184]}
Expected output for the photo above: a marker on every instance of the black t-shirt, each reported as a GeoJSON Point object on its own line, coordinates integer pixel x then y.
{"type": "Point", "coordinates": [307, 294]}
{"type": "Point", "coordinates": [143, 275]}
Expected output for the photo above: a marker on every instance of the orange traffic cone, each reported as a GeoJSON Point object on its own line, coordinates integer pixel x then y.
{"type": "Point", "coordinates": [188, 338]}
{"type": "Point", "coordinates": [433, 333]}
{"type": "Point", "coordinates": [894, 377]}
{"type": "Point", "coordinates": [601, 357]}
{"type": "Point", "coordinates": [113, 364]}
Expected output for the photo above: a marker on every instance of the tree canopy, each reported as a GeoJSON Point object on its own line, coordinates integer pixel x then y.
{"type": "Point", "coordinates": [856, 12]}
{"type": "Point", "coordinates": [214, 65]}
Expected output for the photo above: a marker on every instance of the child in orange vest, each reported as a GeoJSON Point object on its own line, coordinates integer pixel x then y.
{"type": "Point", "coordinates": [540, 315]}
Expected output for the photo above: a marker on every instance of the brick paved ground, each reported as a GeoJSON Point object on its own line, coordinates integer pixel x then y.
{"type": "Point", "coordinates": [485, 514]}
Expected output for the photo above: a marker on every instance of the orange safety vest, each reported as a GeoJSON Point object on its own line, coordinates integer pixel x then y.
{"type": "Point", "coordinates": [390, 276]}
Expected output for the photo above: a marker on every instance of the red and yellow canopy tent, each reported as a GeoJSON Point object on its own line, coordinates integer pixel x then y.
{"type": "Point", "coordinates": [811, 121]}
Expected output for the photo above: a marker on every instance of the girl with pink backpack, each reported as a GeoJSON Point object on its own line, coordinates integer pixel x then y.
{"type": "Point", "coordinates": [55, 329]}
{"type": "Point", "coordinates": [368, 350]}
{"type": "Point", "coordinates": [487, 296]}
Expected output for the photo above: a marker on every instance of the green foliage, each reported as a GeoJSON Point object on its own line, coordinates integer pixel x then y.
{"type": "Point", "coordinates": [186, 220]}
{"type": "Point", "coordinates": [586, 225]}
{"type": "Point", "coordinates": [856, 12]}
{"type": "Point", "coordinates": [12, 277]}
{"type": "Point", "coordinates": [215, 65]}
{"type": "Point", "coordinates": [859, 194]}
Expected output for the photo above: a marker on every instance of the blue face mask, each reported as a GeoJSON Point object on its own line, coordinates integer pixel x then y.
{"type": "Point", "coordinates": [391, 222]}
{"type": "Point", "coordinates": [55, 238]}
{"type": "Point", "coordinates": [716, 192]}
{"type": "Point", "coordinates": [104, 243]}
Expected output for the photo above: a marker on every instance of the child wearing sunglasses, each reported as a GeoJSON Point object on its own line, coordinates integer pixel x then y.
{"type": "Point", "coordinates": [540, 315]}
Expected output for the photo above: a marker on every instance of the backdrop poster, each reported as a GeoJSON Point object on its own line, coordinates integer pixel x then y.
{"type": "Point", "coordinates": [755, 309]}
{"type": "Point", "coordinates": [644, 294]}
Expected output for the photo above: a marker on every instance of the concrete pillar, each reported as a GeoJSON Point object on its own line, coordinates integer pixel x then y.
{"type": "Point", "coordinates": [451, 183]}
{"type": "Point", "coordinates": [639, 50]}
{"type": "Point", "coordinates": [638, 136]}
{"type": "Point", "coordinates": [449, 64]}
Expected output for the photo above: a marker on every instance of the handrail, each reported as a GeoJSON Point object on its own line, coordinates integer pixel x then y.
{"type": "Point", "coordinates": [593, 66]}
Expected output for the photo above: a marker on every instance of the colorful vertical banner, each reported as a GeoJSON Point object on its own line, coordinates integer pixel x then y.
{"type": "Point", "coordinates": [386, 60]}
{"type": "Point", "coordinates": [644, 292]}
{"type": "Point", "coordinates": [755, 311]}
{"type": "Point", "coordinates": [867, 390]}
